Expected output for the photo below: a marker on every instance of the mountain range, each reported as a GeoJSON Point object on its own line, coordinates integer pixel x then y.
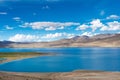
{"type": "Point", "coordinates": [100, 40]}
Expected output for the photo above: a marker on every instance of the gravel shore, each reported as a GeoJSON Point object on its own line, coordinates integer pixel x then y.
{"type": "Point", "coordinates": [76, 75]}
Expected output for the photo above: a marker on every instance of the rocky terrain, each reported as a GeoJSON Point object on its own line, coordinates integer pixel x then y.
{"type": "Point", "coordinates": [101, 40]}
{"type": "Point", "coordinates": [76, 75]}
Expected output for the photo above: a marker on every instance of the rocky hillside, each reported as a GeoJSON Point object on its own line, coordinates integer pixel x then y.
{"type": "Point", "coordinates": [101, 40]}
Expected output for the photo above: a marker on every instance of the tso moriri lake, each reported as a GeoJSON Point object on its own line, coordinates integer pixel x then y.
{"type": "Point", "coordinates": [65, 60]}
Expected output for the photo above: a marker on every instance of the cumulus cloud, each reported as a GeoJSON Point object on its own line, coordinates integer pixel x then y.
{"type": "Point", "coordinates": [50, 28]}
{"type": "Point", "coordinates": [34, 38]}
{"type": "Point", "coordinates": [49, 25]}
{"type": "Point", "coordinates": [104, 28]}
{"type": "Point", "coordinates": [8, 27]}
{"type": "Point", "coordinates": [111, 26]}
{"type": "Point", "coordinates": [69, 35]}
{"type": "Point", "coordinates": [24, 38]}
{"type": "Point", "coordinates": [3, 13]}
{"type": "Point", "coordinates": [17, 18]}
{"type": "Point", "coordinates": [113, 17]}
{"type": "Point", "coordinates": [87, 34]}
{"type": "Point", "coordinates": [94, 25]}
{"type": "Point", "coordinates": [57, 36]}
{"type": "Point", "coordinates": [82, 27]}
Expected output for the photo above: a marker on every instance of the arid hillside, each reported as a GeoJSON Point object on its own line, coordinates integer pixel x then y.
{"type": "Point", "coordinates": [101, 40]}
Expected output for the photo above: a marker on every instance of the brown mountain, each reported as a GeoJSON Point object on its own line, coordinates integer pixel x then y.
{"type": "Point", "coordinates": [101, 40]}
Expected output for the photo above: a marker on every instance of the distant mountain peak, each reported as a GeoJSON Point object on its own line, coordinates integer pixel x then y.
{"type": "Point", "coordinates": [101, 40]}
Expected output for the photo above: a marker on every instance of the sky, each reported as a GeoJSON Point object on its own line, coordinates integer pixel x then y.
{"type": "Point", "coordinates": [50, 20]}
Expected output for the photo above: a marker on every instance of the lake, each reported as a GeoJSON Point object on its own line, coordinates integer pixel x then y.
{"type": "Point", "coordinates": [65, 60]}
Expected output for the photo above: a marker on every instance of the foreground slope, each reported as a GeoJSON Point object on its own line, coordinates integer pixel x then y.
{"type": "Point", "coordinates": [76, 75]}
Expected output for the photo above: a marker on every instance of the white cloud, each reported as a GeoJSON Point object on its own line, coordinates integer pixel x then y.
{"type": "Point", "coordinates": [50, 28]}
{"type": "Point", "coordinates": [17, 18]}
{"type": "Point", "coordinates": [57, 36]}
{"type": "Point", "coordinates": [49, 25]}
{"type": "Point", "coordinates": [24, 38]}
{"type": "Point", "coordinates": [82, 27]}
{"type": "Point", "coordinates": [95, 24]}
{"type": "Point", "coordinates": [8, 27]}
{"type": "Point", "coordinates": [3, 13]}
{"type": "Point", "coordinates": [34, 38]}
{"type": "Point", "coordinates": [69, 35]}
{"type": "Point", "coordinates": [104, 28]}
{"type": "Point", "coordinates": [111, 26]}
{"type": "Point", "coordinates": [87, 34]}
{"type": "Point", "coordinates": [26, 24]}
{"type": "Point", "coordinates": [113, 17]}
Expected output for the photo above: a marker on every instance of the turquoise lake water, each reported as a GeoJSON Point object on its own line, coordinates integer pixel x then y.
{"type": "Point", "coordinates": [66, 60]}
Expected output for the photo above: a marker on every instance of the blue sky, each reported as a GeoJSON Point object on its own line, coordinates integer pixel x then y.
{"type": "Point", "coordinates": [48, 20]}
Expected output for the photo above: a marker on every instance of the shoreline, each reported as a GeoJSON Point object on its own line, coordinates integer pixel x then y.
{"type": "Point", "coordinates": [64, 47]}
{"type": "Point", "coordinates": [21, 57]}
{"type": "Point", "coordinates": [75, 75]}
{"type": "Point", "coordinates": [4, 62]}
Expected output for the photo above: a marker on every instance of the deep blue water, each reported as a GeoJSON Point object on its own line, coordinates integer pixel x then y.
{"type": "Point", "coordinates": [67, 59]}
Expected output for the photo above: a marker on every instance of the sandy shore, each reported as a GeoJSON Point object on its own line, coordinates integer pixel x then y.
{"type": "Point", "coordinates": [76, 75]}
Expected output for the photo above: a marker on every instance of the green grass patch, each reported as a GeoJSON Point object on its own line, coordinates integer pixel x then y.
{"type": "Point", "coordinates": [14, 54]}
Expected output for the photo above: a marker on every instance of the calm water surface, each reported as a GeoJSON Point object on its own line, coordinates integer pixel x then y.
{"type": "Point", "coordinates": [67, 59]}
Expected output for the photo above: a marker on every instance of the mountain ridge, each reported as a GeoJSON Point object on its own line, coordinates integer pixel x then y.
{"type": "Point", "coordinates": [100, 40]}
